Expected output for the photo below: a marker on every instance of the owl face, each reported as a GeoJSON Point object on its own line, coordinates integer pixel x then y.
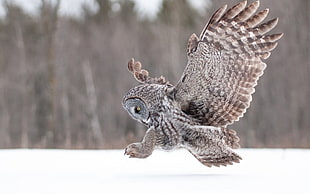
{"type": "Point", "coordinates": [142, 101]}
{"type": "Point", "coordinates": [137, 109]}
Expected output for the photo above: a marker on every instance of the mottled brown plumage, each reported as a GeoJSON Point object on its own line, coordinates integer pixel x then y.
{"type": "Point", "coordinates": [224, 65]}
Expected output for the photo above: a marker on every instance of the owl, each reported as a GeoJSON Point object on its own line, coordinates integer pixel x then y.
{"type": "Point", "coordinates": [224, 65]}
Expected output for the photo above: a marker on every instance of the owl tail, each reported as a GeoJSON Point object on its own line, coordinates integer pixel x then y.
{"type": "Point", "coordinates": [231, 138]}
{"type": "Point", "coordinates": [213, 146]}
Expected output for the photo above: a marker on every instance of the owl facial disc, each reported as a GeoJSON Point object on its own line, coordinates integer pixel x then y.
{"type": "Point", "coordinates": [137, 108]}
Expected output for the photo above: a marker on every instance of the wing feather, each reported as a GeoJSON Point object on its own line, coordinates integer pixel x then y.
{"type": "Point", "coordinates": [142, 75]}
{"type": "Point", "coordinates": [214, 18]}
{"type": "Point", "coordinates": [224, 64]}
{"type": "Point", "coordinates": [235, 10]}
{"type": "Point", "coordinates": [247, 12]}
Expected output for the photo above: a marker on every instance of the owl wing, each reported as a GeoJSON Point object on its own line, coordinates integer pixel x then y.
{"type": "Point", "coordinates": [142, 75]}
{"type": "Point", "coordinates": [224, 64]}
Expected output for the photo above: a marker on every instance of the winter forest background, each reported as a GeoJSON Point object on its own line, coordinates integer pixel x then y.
{"type": "Point", "coordinates": [62, 78]}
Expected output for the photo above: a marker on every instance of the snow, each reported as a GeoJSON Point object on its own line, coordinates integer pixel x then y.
{"type": "Point", "coordinates": [25, 171]}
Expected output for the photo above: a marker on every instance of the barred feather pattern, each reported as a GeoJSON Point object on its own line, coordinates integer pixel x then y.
{"type": "Point", "coordinates": [215, 89]}
{"type": "Point", "coordinates": [171, 128]}
{"type": "Point", "coordinates": [225, 63]}
{"type": "Point", "coordinates": [142, 75]}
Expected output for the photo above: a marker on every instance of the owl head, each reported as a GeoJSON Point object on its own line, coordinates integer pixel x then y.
{"type": "Point", "coordinates": [143, 100]}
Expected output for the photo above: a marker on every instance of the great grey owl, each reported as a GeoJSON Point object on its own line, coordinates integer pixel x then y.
{"type": "Point", "coordinates": [224, 64]}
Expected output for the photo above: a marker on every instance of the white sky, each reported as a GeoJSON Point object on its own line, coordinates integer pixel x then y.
{"type": "Point", "coordinates": [73, 7]}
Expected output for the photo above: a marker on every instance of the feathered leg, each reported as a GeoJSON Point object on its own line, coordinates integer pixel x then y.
{"type": "Point", "coordinates": [142, 149]}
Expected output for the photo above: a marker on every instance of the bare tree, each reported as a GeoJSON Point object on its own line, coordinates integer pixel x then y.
{"type": "Point", "coordinates": [49, 18]}
{"type": "Point", "coordinates": [92, 101]}
{"type": "Point", "coordinates": [62, 79]}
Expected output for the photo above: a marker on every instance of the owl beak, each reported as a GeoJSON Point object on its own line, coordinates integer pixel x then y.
{"type": "Point", "coordinates": [146, 122]}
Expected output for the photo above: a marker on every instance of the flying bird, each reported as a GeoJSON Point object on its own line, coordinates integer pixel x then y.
{"type": "Point", "coordinates": [224, 64]}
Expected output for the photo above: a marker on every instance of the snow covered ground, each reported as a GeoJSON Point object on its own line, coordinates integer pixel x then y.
{"type": "Point", "coordinates": [109, 171]}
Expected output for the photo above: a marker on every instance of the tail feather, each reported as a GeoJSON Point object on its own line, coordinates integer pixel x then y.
{"type": "Point", "coordinates": [212, 146]}
{"type": "Point", "coordinates": [231, 138]}
{"type": "Point", "coordinates": [213, 160]}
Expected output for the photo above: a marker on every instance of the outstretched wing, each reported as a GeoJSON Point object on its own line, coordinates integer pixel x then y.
{"type": "Point", "coordinates": [224, 64]}
{"type": "Point", "coordinates": [142, 75]}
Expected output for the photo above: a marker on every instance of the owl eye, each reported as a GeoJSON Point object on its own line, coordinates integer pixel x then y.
{"type": "Point", "coordinates": [137, 109]}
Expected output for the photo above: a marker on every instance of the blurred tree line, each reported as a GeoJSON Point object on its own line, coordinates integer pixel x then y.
{"type": "Point", "coordinates": [62, 79]}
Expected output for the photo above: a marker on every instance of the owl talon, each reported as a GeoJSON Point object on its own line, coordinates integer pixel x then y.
{"type": "Point", "coordinates": [135, 150]}
{"type": "Point", "coordinates": [131, 150]}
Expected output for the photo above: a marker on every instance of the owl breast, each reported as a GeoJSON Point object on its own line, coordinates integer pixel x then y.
{"type": "Point", "coordinates": [169, 123]}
